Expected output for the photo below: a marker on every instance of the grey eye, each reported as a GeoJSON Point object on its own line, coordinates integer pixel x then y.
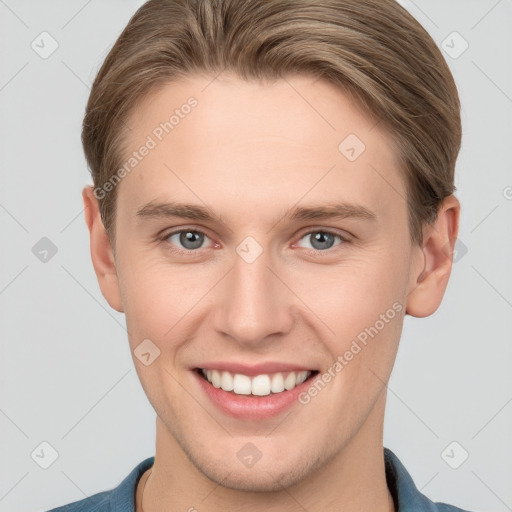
{"type": "Point", "coordinates": [187, 239]}
{"type": "Point", "coordinates": [320, 240]}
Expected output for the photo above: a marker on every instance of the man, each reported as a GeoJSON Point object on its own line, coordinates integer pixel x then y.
{"type": "Point", "coordinates": [273, 193]}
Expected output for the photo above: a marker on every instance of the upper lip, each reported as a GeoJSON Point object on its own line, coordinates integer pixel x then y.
{"type": "Point", "coordinates": [252, 370]}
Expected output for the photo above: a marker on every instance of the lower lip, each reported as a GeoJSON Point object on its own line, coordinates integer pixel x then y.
{"type": "Point", "coordinates": [252, 407]}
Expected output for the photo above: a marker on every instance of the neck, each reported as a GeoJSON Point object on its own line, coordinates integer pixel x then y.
{"type": "Point", "coordinates": [353, 480]}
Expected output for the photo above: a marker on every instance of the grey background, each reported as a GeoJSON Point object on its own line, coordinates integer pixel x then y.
{"type": "Point", "coordinates": [66, 374]}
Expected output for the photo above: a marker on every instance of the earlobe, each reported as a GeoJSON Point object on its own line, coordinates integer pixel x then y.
{"type": "Point", "coordinates": [101, 251]}
{"type": "Point", "coordinates": [430, 277]}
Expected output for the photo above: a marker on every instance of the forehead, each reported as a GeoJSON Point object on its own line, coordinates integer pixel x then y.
{"type": "Point", "coordinates": [232, 140]}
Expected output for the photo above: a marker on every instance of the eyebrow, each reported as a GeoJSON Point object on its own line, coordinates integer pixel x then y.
{"type": "Point", "coordinates": [190, 211]}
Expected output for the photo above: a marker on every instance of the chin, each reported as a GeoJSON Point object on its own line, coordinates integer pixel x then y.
{"type": "Point", "coordinates": [268, 478]}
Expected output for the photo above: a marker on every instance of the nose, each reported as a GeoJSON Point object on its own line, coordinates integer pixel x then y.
{"type": "Point", "coordinates": [254, 304]}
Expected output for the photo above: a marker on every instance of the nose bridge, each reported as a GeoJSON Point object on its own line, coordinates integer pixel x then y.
{"type": "Point", "coordinates": [254, 304]}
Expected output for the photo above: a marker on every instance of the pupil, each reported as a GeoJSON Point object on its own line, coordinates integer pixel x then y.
{"type": "Point", "coordinates": [191, 239]}
{"type": "Point", "coordinates": [322, 240]}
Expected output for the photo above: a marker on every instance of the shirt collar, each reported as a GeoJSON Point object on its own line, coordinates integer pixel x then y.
{"type": "Point", "coordinates": [122, 498]}
{"type": "Point", "coordinates": [405, 494]}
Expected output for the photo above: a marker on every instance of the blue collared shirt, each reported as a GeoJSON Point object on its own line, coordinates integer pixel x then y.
{"type": "Point", "coordinates": [406, 496]}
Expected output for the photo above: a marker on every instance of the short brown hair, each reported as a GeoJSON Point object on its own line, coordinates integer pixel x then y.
{"type": "Point", "coordinates": [372, 49]}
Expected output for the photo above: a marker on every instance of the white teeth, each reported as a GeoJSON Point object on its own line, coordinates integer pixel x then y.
{"type": "Point", "coordinates": [277, 383]}
{"type": "Point", "coordinates": [216, 379]}
{"type": "Point", "coordinates": [301, 377]}
{"type": "Point", "coordinates": [242, 384]}
{"type": "Point", "coordinates": [290, 381]}
{"type": "Point", "coordinates": [227, 381]}
{"type": "Point", "coordinates": [260, 385]}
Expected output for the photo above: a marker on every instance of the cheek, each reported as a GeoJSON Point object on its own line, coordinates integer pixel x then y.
{"type": "Point", "coordinates": [361, 305]}
{"type": "Point", "coordinates": [356, 292]}
{"type": "Point", "coordinates": [157, 296]}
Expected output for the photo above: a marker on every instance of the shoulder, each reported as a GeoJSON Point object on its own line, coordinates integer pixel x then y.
{"type": "Point", "coordinates": [405, 494]}
{"type": "Point", "coordinates": [98, 503]}
{"type": "Point", "coordinates": [119, 499]}
{"type": "Point", "coordinates": [444, 507]}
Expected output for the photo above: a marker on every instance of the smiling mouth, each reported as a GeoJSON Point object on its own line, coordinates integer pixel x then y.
{"type": "Point", "coordinates": [259, 385]}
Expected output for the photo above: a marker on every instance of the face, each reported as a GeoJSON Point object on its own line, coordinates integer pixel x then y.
{"type": "Point", "coordinates": [254, 238]}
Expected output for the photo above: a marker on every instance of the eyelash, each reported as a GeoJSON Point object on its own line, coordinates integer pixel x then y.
{"type": "Point", "coordinates": [193, 252]}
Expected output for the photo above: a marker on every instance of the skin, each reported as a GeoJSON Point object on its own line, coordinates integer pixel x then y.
{"type": "Point", "coordinates": [251, 151]}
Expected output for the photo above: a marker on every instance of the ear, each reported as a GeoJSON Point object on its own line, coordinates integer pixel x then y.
{"type": "Point", "coordinates": [101, 251]}
{"type": "Point", "coordinates": [429, 278]}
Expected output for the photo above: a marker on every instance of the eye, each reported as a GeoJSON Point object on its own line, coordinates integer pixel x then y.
{"type": "Point", "coordinates": [187, 239]}
{"type": "Point", "coordinates": [320, 240]}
